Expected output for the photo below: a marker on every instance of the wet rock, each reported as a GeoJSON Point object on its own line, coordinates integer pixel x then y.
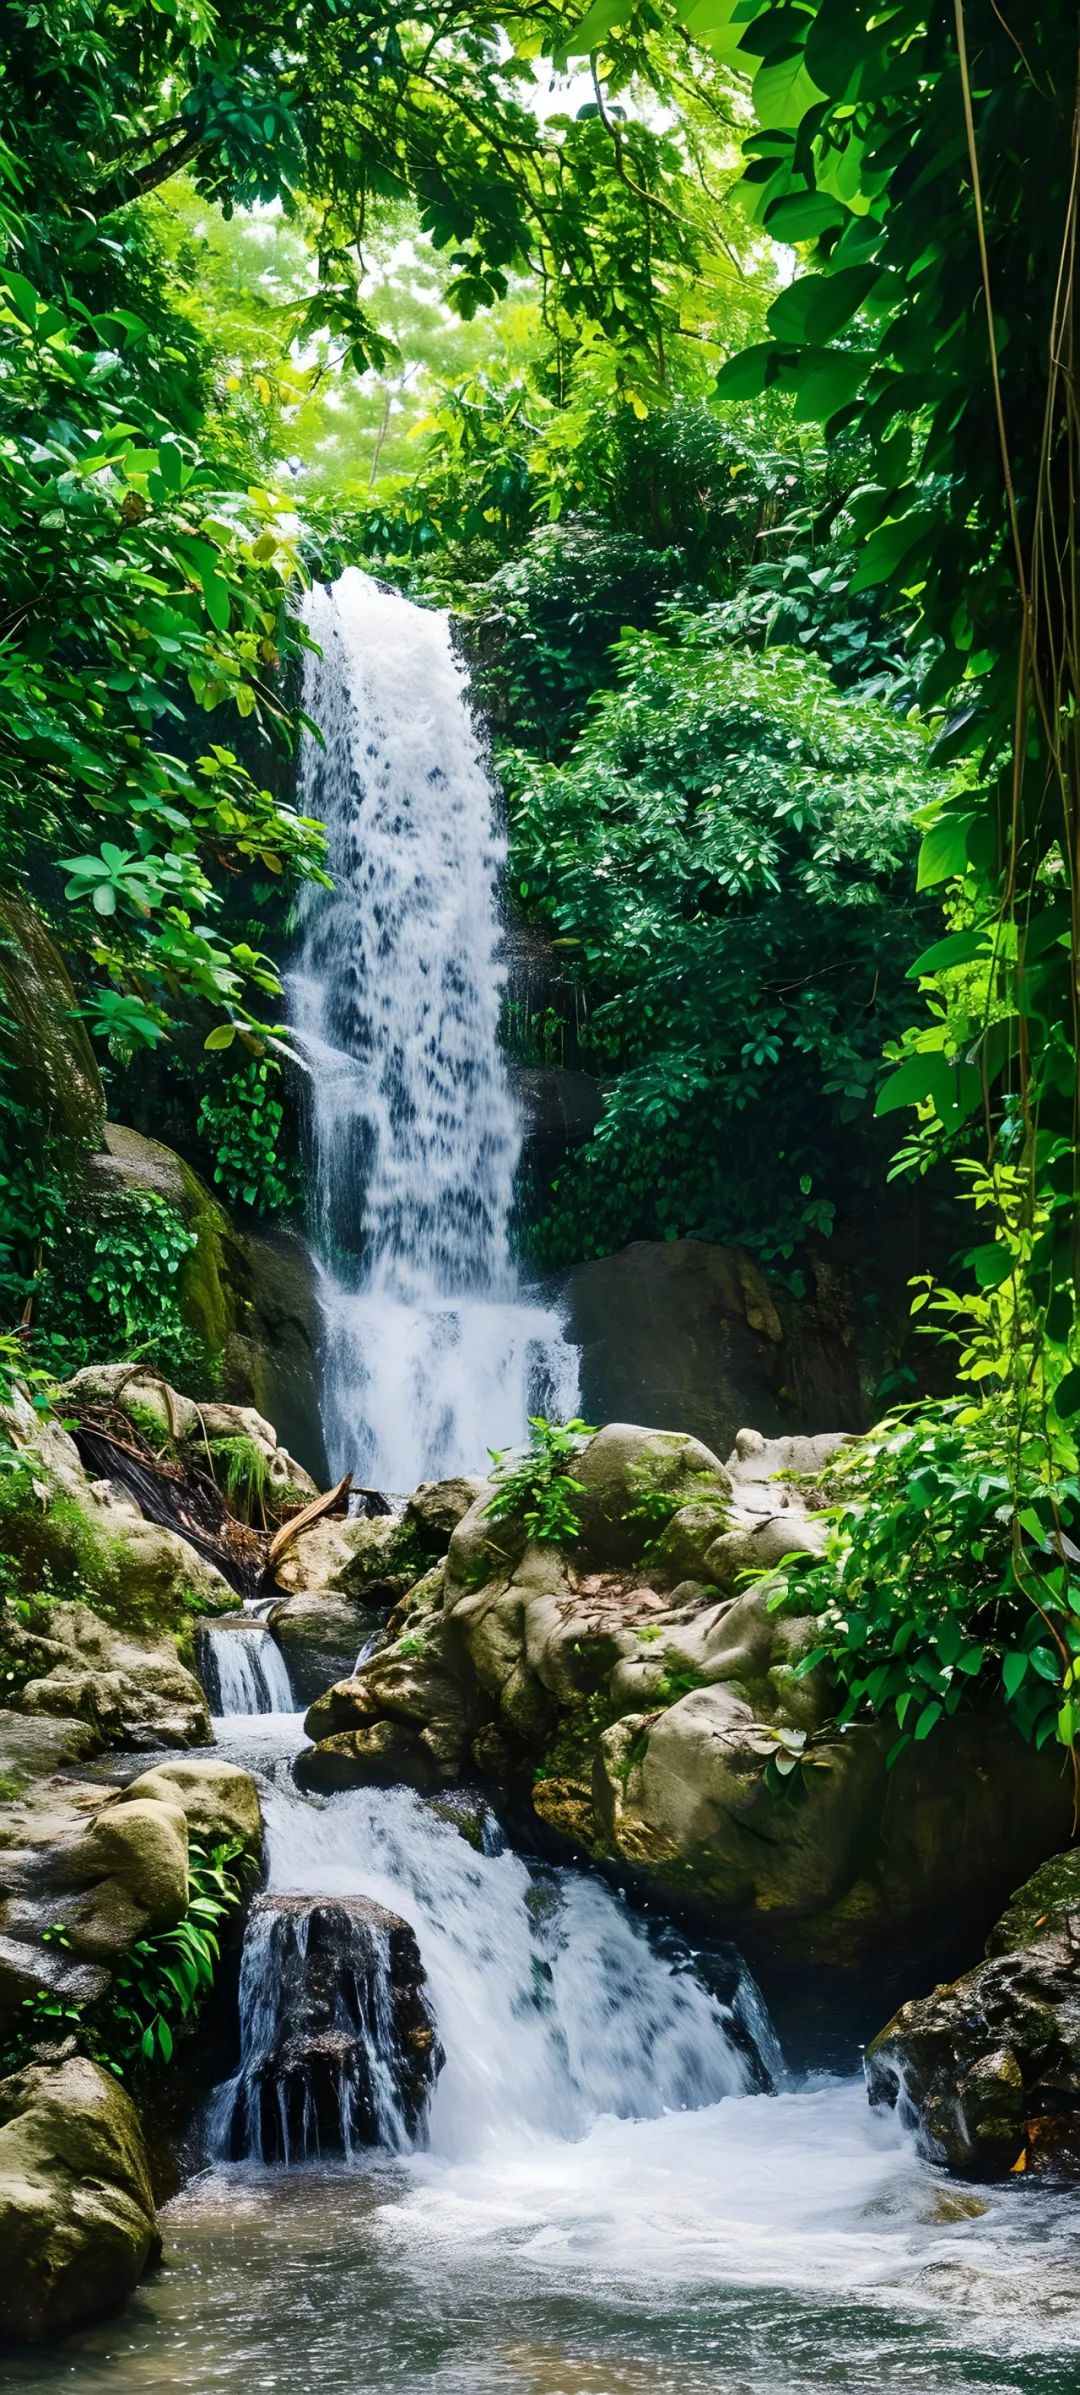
{"type": "Point", "coordinates": [76, 2212]}
{"type": "Point", "coordinates": [339, 2042]}
{"type": "Point", "coordinates": [988, 2068]}
{"type": "Point", "coordinates": [435, 1509]}
{"type": "Point", "coordinates": [320, 1635]}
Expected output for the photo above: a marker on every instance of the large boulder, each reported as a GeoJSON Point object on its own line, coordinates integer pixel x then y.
{"type": "Point", "coordinates": [635, 1480]}
{"type": "Point", "coordinates": [987, 2069]}
{"type": "Point", "coordinates": [683, 1331]}
{"type": "Point", "coordinates": [76, 2211]}
{"type": "Point", "coordinates": [107, 1867]}
{"type": "Point", "coordinates": [133, 1690]}
{"type": "Point", "coordinates": [341, 2049]}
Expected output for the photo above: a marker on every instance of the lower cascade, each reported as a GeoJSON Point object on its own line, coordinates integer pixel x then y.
{"type": "Point", "coordinates": [243, 1669]}
{"type": "Point", "coordinates": [338, 2040]}
{"type": "Point", "coordinates": [398, 1936]}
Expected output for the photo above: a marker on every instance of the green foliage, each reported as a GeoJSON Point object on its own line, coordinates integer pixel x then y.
{"type": "Point", "coordinates": [241, 1469]}
{"type": "Point", "coordinates": [109, 1287]}
{"type": "Point", "coordinates": [538, 1487]}
{"type": "Point", "coordinates": [725, 862]}
{"type": "Point", "coordinates": [152, 582]}
{"type": "Point", "coordinates": [948, 1579]}
{"type": "Point", "coordinates": [934, 322]}
{"type": "Point", "coordinates": [241, 1117]}
{"type": "Point", "coordinates": [158, 1989]}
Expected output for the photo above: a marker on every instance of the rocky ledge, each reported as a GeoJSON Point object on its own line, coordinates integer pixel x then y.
{"type": "Point", "coordinates": [638, 1689]}
{"type": "Point", "coordinates": [988, 2069]}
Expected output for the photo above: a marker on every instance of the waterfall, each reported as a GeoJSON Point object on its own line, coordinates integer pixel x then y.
{"type": "Point", "coordinates": [243, 1670]}
{"type": "Point", "coordinates": [432, 1349]}
{"type": "Point", "coordinates": [553, 2005]}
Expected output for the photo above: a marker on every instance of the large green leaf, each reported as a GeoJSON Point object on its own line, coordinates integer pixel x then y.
{"type": "Point", "coordinates": [817, 306]}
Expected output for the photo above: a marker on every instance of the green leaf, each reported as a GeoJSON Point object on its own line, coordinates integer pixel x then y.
{"type": "Point", "coordinates": [216, 595]}
{"type": "Point", "coordinates": [803, 215]}
{"type": "Point", "coordinates": [928, 1717]}
{"type": "Point", "coordinates": [816, 306]}
{"type": "Point", "coordinates": [748, 374]}
{"type": "Point", "coordinates": [783, 91]}
{"type": "Point", "coordinates": [599, 20]}
{"type": "Point", "coordinates": [222, 1036]}
{"type": "Point", "coordinates": [1066, 1396]}
{"type": "Point", "coordinates": [944, 850]}
{"type": "Point", "coordinates": [1014, 1669]}
{"type": "Point", "coordinates": [957, 948]}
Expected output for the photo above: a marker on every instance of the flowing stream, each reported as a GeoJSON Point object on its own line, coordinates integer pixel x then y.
{"type": "Point", "coordinates": [606, 2200]}
{"type": "Point", "coordinates": [431, 1346]}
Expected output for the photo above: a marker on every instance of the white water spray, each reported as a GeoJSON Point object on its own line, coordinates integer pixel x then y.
{"type": "Point", "coordinates": [433, 1350]}
{"type": "Point", "coordinates": [552, 2004]}
{"type": "Point", "coordinates": [243, 1670]}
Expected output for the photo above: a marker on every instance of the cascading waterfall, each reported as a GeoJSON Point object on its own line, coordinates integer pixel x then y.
{"type": "Point", "coordinates": [433, 1350]}
{"type": "Point", "coordinates": [243, 1670]}
{"type": "Point", "coordinates": [552, 2005]}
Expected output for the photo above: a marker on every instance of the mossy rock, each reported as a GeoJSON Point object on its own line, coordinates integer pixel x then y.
{"type": "Point", "coordinates": [132, 1166]}
{"type": "Point", "coordinates": [76, 2210]}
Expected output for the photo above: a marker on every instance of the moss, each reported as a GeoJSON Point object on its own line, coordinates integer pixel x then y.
{"type": "Point", "coordinates": [56, 1550]}
{"type": "Point", "coordinates": [1042, 1905]}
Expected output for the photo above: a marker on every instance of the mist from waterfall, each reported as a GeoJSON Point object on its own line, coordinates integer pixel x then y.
{"type": "Point", "coordinates": [432, 1349]}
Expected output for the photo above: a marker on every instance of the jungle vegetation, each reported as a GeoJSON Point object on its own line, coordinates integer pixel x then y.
{"type": "Point", "coordinates": [715, 361]}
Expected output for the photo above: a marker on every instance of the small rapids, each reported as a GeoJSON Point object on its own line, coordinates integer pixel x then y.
{"type": "Point", "coordinates": [554, 2006]}
{"type": "Point", "coordinates": [242, 1670]}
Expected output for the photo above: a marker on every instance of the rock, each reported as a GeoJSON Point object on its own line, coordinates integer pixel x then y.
{"type": "Point", "coordinates": [320, 1635]}
{"type": "Point", "coordinates": [107, 1866]}
{"type": "Point", "coordinates": [133, 1691]}
{"type": "Point", "coordinates": [560, 1109]}
{"type": "Point", "coordinates": [66, 1531]}
{"type": "Point", "coordinates": [272, 1353]}
{"type": "Point", "coordinates": [987, 2069]}
{"type": "Point", "coordinates": [76, 2212]}
{"type": "Point", "coordinates": [673, 1730]}
{"type": "Point", "coordinates": [219, 1802]}
{"type": "Point", "coordinates": [131, 1165]}
{"type": "Point", "coordinates": [135, 1855]}
{"type": "Point", "coordinates": [55, 1074]}
{"type": "Point", "coordinates": [435, 1509]}
{"type": "Point", "coordinates": [340, 2048]}
{"type": "Point", "coordinates": [683, 1331]}
{"type": "Point", "coordinates": [385, 1754]}
{"type": "Point", "coordinates": [633, 1479]}
{"type": "Point", "coordinates": [374, 1560]}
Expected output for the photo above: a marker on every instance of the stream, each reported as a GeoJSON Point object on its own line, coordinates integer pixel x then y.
{"type": "Point", "coordinates": [619, 2188]}
{"type": "Point", "coordinates": [607, 2203]}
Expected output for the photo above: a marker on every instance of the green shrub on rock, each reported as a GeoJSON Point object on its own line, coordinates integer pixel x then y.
{"type": "Point", "coordinates": [950, 1577]}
